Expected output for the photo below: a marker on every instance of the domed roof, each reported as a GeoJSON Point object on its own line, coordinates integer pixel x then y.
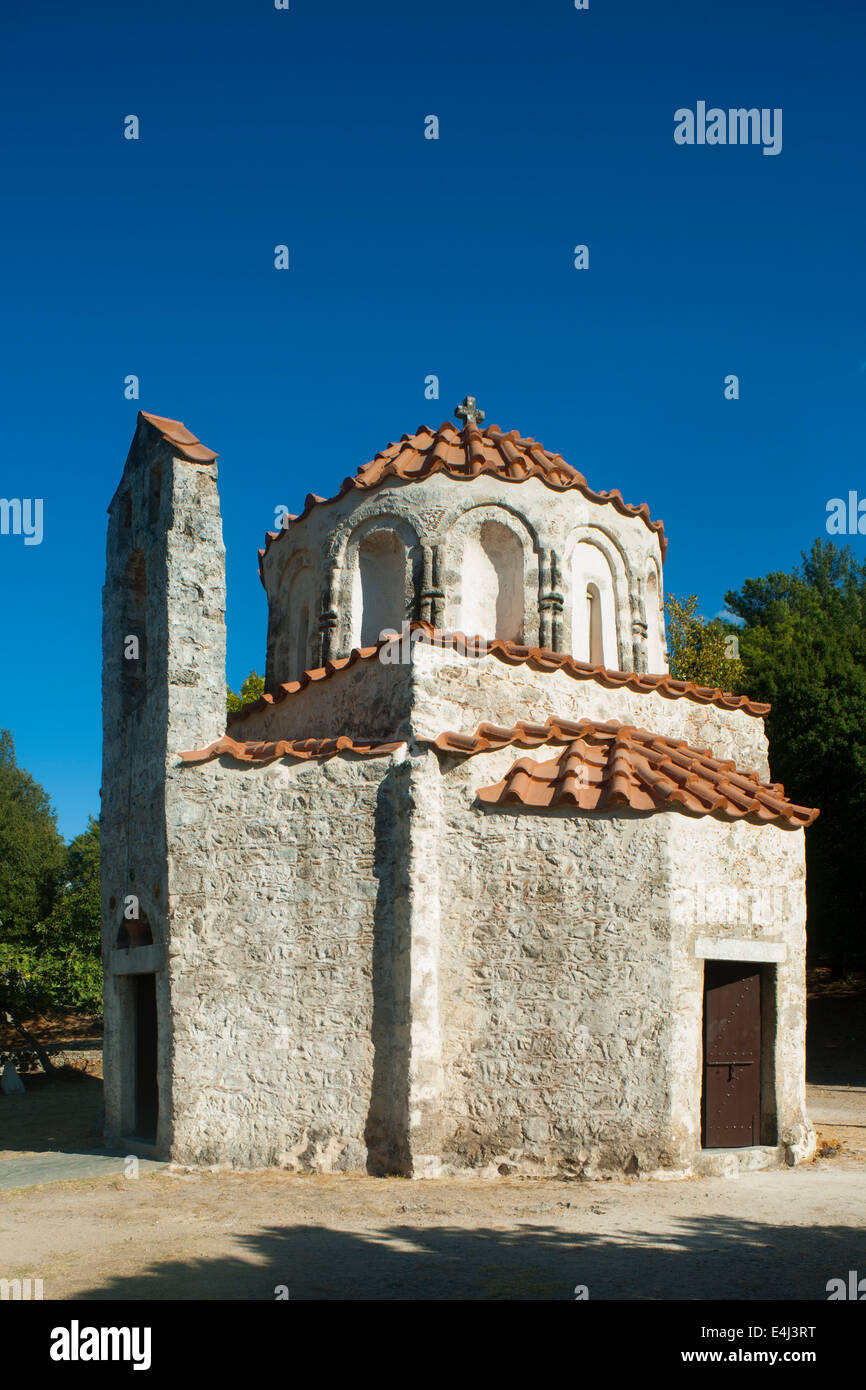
{"type": "Point", "coordinates": [467, 453]}
{"type": "Point", "coordinates": [470, 452]}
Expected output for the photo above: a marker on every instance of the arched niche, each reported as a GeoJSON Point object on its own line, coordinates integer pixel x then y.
{"type": "Point", "coordinates": [488, 565]}
{"type": "Point", "coordinates": [380, 563]}
{"type": "Point", "coordinates": [300, 623]}
{"type": "Point", "coordinates": [492, 585]}
{"type": "Point", "coordinates": [294, 603]}
{"type": "Point", "coordinates": [594, 626]}
{"type": "Point", "coordinates": [655, 641]}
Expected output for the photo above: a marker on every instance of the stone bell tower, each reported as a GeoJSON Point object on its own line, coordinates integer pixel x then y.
{"type": "Point", "coordinates": [163, 687]}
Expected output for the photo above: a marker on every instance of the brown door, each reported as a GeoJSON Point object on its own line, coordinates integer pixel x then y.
{"type": "Point", "coordinates": [732, 1055]}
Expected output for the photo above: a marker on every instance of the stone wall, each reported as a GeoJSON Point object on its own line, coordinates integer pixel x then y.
{"type": "Point", "coordinates": [743, 885]}
{"type": "Point", "coordinates": [285, 938]}
{"type": "Point", "coordinates": [572, 978]}
{"type": "Point", "coordinates": [368, 700]}
{"type": "Point", "coordinates": [440, 689]}
{"type": "Point", "coordinates": [370, 970]}
{"type": "Point", "coordinates": [458, 693]}
{"type": "Point", "coordinates": [555, 938]}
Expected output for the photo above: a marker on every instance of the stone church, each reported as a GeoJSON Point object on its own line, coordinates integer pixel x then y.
{"type": "Point", "coordinates": [476, 887]}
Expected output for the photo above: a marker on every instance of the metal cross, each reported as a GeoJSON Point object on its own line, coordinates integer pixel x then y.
{"type": "Point", "coordinates": [468, 411]}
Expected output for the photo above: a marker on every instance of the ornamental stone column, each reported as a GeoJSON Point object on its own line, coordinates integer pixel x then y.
{"type": "Point", "coordinates": [637, 601]}
{"type": "Point", "coordinates": [326, 640]}
{"type": "Point", "coordinates": [432, 596]}
{"type": "Point", "coordinates": [550, 600]}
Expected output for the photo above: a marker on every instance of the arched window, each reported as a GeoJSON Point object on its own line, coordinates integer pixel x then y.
{"type": "Point", "coordinates": [593, 625]}
{"type": "Point", "coordinates": [654, 642]}
{"type": "Point", "coordinates": [134, 931]}
{"type": "Point", "coordinates": [492, 584]}
{"type": "Point", "coordinates": [593, 607]}
{"type": "Point", "coordinates": [378, 588]}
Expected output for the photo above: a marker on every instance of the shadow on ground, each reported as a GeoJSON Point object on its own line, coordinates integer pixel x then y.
{"type": "Point", "coordinates": [55, 1115]}
{"type": "Point", "coordinates": [696, 1259]}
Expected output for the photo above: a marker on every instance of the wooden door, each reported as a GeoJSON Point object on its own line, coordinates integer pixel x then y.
{"type": "Point", "coordinates": [732, 1055]}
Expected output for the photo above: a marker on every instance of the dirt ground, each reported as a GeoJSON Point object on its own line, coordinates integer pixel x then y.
{"type": "Point", "coordinates": [167, 1235]}
{"type": "Point", "coordinates": [777, 1235]}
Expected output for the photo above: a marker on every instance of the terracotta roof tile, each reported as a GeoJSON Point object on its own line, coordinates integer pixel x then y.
{"type": "Point", "coordinates": [605, 765]}
{"type": "Point", "coordinates": [470, 452]}
{"type": "Point", "coordinates": [601, 766]}
{"type": "Point", "coordinates": [177, 434]}
{"type": "Point", "coordinates": [258, 753]}
{"type": "Point", "coordinates": [512, 654]}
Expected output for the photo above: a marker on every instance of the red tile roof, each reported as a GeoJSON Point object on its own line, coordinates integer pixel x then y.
{"type": "Point", "coordinates": [468, 453]}
{"type": "Point", "coordinates": [258, 753]}
{"type": "Point", "coordinates": [187, 444]}
{"type": "Point", "coordinates": [606, 765]}
{"type": "Point", "coordinates": [601, 767]}
{"type": "Point", "coordinates": [512, 654]}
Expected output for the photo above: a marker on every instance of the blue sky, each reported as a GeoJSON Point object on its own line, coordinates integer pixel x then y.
{"type": "Point", "coordinates": [410, 257]}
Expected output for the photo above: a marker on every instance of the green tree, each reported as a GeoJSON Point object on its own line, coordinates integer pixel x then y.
{"type": "Point", "coordinates": [252, 689]}
{"type": "Point", "coordinates": [76, 917]}
{"type": "Point", "coordinates": [66, 962]}
{"type": "Point", "coordinates": [31, 848]}
{"type": "Point", "coordinates": [803, 648]}
{"type": "Point", "coordinates": [705, 652]}
{"type": "Point", "coordinates": [50, 948]}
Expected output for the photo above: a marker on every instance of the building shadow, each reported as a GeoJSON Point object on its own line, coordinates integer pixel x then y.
{"type": "Point", "coordinates": [693, 1259]}
{"type": "Point", "coordinates": [386, 1132]}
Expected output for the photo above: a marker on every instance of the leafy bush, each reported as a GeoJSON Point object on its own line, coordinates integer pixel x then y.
{"type": "Point", "coordinates": [702, 651]}
{"type": "Point", "coordinates": [35, 979]}
{"type": "Point", "coordinates": [252, 689]}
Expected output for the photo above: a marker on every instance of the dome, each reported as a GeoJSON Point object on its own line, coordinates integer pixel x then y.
{"type": "Point", "coordinates": [472, 529]}
{"type": "Point", "coordinates": [467, 453]}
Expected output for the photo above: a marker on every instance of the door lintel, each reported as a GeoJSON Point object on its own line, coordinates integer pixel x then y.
{"type": "Point", "coordinates": [747, 951]}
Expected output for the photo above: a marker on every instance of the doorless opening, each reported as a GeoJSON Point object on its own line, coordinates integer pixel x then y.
{"type": "Point", "coordinates": [146, 1089]}
{"type": "Point", "coordinates": [731, 1099]}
